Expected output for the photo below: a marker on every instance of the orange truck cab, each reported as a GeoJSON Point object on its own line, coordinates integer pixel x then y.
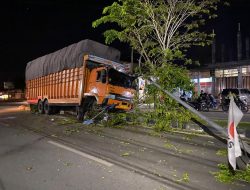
{"type": "Point", "coordinates": [105, 85]}
{"type": "Point", "coordinates": [110, 86]}
{"type": "Point", "coordinates": [80, 83]}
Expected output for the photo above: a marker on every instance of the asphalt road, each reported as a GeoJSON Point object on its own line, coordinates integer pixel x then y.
{"type": "Point", "coordinates": [54, 152]}
{"type": "Point", "coordinates": [32, 161]}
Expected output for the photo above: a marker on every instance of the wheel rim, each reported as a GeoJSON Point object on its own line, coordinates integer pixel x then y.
{"type": "Point", "coordinates": [46, 107]}
{"type": "Point", "coordinates": [40, 107]}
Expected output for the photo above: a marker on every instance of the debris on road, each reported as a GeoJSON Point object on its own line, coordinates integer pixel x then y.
{"type": "Point", "coordinates": [29, 168]}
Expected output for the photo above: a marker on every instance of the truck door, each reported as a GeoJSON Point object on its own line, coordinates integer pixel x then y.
{"type": "Point", "coordinates": [99, 84]}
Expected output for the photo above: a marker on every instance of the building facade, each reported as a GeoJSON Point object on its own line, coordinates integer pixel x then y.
{"type": "Point", "coordinates": [214, 78]}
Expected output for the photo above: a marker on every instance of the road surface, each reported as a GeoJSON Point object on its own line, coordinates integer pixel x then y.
{"type": "Point", "coordinates": [54, 152]}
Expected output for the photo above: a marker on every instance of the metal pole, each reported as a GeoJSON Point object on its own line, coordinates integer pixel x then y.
{"type": "Point", "coordinates": [239, 56]}
{"type": "Point", "coordinates": [211, 123]}
{"type": "Point", "coordinates": [212, 71]}
{"type": "Point", "coordinates": [198, 83]}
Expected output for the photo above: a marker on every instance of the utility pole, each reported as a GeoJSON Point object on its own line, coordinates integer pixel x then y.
{"type": "Point", "coordinates": [239, 56]}
{"type": "Point", "coordinates": [222, 60]}
{"type": "Point", "coordinates": [212, 71]}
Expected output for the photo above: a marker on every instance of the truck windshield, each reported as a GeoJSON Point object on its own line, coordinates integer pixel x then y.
{"type": "Point", "coordinates": [117, 78]}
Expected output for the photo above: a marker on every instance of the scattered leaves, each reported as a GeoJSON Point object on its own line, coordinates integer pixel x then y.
{"type": "Point", "coordinates": [71, 130]}
{"type": "Point", "coordinates": [125, 143]}
{"type": "Point", "coordinates": [67, 164]}
{"type": "Point", "coordinates": [29, 168]}
{"type": "Point", "coordinates": [169, 145]}
{"type": "Point", "coordinates": [67, 121]}
{"type": "Point", "coordinates": [126, 154]}
{"type": "Point", "coordinates": [187, 137]}
{"type": "Point", "coordinates": [210, 142]}
{"type": "Point", "coordinates": [185, 178]}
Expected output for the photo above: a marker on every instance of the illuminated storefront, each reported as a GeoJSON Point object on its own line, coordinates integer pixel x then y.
{"type": "Point", "coordinates": [228, 78]}
{"type": "Point", "coordinates": [224, 78]}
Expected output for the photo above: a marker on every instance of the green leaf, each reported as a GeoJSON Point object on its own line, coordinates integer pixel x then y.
{"type": "Point", "coordinates": [126, 154]}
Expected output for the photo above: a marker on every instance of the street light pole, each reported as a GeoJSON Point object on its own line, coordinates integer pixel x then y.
{"type": "Point", "coordinates": [212, 71]}
{"type": "Point", "coordinates": [239, 56]}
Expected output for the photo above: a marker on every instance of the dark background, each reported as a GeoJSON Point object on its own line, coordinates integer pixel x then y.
{"type": "Point", "coordinates": [32, 28]}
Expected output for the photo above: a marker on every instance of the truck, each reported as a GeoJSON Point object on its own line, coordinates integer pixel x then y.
{"type": "Point", "coordinates": [83, 76]}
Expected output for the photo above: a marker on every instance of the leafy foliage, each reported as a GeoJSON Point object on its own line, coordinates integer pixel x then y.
{"type": "Point", "coordinates": [225, 175]}
{"type": "Point", "coordinates": [161, 31]}
{"type": "Point", "coordinates": [171, 76]}
{"type": "Point", "coordinates": [116, 120]}
{"type": "Point", "coordinates": [167, 111]}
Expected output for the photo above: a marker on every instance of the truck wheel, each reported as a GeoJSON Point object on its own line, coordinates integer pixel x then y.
{"type": "Point", "coordinates": [47, 108]}
{"type": "Point", "coordinates": [79, 113]}
{"type": "Point", "coordinates": [40, 107]}
{"type": "Point", "coordinates": [92, 110]}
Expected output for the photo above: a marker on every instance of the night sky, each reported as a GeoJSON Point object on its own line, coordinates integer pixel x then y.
{"type": "Point", "coordinates": [32, 28]}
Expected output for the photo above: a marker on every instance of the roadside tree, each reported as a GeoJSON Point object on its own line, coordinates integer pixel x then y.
{"type": "Point", "coordinates": [161, 32]}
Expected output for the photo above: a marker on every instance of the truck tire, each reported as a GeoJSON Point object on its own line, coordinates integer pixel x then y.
{"type": "Point", "coordinates": [79, 113]}
{"type": "Point", "coordinates": [92, 109]}
{"type": "Point", "coordinates": [47, 108]}
{"type": "Point", "coordinates": [40, 107]}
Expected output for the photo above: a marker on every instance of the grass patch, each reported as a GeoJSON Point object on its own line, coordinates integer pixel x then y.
{"type": "Point", "coordinates": [225, 175]}
{"type": "Point", "coordinates": [221, 152]}
{"type": "Point", "coordinates": [223, 123]}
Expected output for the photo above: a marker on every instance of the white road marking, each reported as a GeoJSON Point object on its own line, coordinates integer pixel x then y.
{"type": "Point", "coordinates": [7, 118]}
{"type": "Point", "coordinates": [82, 154]}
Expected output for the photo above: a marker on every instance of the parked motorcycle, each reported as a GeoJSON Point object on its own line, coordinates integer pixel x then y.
{"type": "Point", "coordinates": [204, 105]}
{"type": "Point", "coordinates": [199, 104]}
{"type": "Point", "coordinates": [212, 102]}
{"type": "Point", "coordinates": [242, 104]}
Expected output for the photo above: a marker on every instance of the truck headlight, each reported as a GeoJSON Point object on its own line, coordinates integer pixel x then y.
{"type": "Point", "coordinates": [128, 94]}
